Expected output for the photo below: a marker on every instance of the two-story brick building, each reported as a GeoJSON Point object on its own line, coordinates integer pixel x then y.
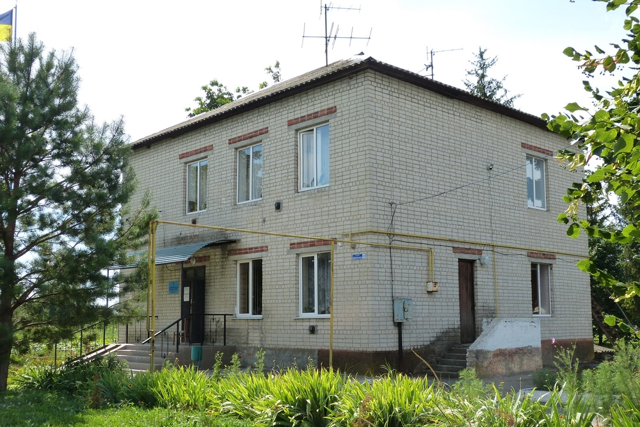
{"type": "Point", "coordinates": [366, 151]}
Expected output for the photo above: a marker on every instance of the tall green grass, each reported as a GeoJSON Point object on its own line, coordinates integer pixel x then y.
{"type": "Point", "coordinates": [608, 395]}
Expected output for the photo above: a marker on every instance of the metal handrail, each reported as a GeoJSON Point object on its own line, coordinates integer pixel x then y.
{"type": "Point", "coordinates": [177, 324]}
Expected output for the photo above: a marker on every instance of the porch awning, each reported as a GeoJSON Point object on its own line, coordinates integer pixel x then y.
{"type": "Point", "coordinates": [173, 254]}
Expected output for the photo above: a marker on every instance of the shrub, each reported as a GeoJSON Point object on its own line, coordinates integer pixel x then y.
{"type": "Point", "coordinates": [545, 379]}
{"type": "Point", "coordinates": [72, 378]}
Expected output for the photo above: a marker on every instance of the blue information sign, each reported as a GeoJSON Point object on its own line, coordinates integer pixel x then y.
{"type": "Point", "coordinates": [355, 257]}
{"type": "Point", "coordinates": [174, 287]}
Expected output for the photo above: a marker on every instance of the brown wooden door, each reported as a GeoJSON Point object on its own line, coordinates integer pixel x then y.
{"type": "Point", "coordinates": [467, 301]}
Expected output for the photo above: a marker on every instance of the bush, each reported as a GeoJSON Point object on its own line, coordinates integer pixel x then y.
{"type": "Point", "coordinates": [544, 379]}
{"type": "Point", "coordinates": [72, 378]}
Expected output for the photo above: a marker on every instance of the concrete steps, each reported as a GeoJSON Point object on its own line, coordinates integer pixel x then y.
{"type": "Point", "coordinates": [137, 357]}
{"type": "Point", "coordinates": [452, 361]}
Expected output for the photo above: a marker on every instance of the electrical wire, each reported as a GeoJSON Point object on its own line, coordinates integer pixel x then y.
{"type": "Point", "coordinates": [478, 181]}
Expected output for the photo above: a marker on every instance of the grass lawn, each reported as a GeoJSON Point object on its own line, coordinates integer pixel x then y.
{"type": "Point", "coordinates": [38, 408]}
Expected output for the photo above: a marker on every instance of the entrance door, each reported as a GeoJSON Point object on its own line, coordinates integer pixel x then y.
{"type": "Point", "coordinates": [467, 301]}
{"type": "Point", "coordinates": [193, 284]}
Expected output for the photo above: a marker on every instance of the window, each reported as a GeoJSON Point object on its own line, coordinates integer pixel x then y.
{"type": "Point", "coordinates": [535, 183]}
{"type": "Point", "coordinates": [250, 173]}
{"type": "Point", "coordinates": [541, 289]}
{"type": "Point", "coordinates": [197, 186]}
{"type": "Point", "coordinates": [313, 151]}
{"type": "Point", "coordinates": [315, 284]}
{"type": "Point", "coordinates": [250, 288]}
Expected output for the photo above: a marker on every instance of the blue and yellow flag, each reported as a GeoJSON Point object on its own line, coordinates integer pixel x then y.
{"type": "Point", "coordinates": [6, 21]}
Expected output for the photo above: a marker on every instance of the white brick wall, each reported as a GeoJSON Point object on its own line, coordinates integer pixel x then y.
{"type": "Point", "coordinates": [390, 142]}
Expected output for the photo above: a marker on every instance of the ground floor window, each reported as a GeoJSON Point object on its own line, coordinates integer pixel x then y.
{"type": "Point", "coordinates": [541, 289]}
{"type": "Point", "coordinates": [315, 284]}
{"type": "Point", "coordinates": [250, 288]}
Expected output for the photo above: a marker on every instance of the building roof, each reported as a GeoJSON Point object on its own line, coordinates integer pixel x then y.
{"type": "Point", "coordinates": [322, 76]}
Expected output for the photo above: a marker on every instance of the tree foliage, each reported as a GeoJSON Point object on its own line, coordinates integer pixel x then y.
{"type": "Point", "coordinates": [484, 86]}
{"type": "Point", "coordinates": [606, 138]}
{"type": "Point", "coordinates": [216, 94]}
{"type": "Point", "coordinates": [64, 180]}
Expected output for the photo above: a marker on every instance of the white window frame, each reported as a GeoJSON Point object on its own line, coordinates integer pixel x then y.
{"type": "Point", "coordinates": [313, 130]}
{"type": "Point", "coordinates": [315, 313]}
{"type": "Point", "coordinates": [199, 202]}
{"type": "Point", "coordinates": [251, 287]}
{"type": "Point", "coordinates": [531, 164]}
{"type": "Point", "coordinates": [250, 174]}
{"type": "Point", "coordinates": [540, 285]}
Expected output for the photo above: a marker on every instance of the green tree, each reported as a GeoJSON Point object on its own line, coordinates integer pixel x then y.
{"type": "Point", "coordinates": [216, 94]}
{"type": "Point", "coordinates": [484, 86]}
{"type": "Point", "coordinates": [63, 183]}
{"type": "Point", "coordinates": [609, 133]}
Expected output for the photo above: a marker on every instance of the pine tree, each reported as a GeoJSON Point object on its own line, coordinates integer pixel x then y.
{"type": "Point", "coordinates": [63, 183]}
{"type": "Point", "coordinates": [484, 86]}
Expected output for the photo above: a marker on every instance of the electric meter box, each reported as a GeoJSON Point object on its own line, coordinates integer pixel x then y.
{"type": "Point", "coordinates": [402, 310]}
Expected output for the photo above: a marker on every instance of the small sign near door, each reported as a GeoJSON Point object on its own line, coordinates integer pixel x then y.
{"type": "Point", "coordinates": [174, 287]}
{"type": "Point", "coordinates": [358, 257]}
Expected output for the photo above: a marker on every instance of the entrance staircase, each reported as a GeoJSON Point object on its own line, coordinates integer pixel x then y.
{"type": "Point", "coordinates": [137, 357]}
{"type": "Point", "coordinates": [452, 362]}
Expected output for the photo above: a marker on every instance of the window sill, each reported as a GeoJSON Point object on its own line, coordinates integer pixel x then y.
{"type": "Point", "coordinates": [541, 315]}
{"type": "Point", "coordinates": [302, 190]}
{"type": "Point", "coordinates": [319, 316]}
{"type": "Point", "coordinates": [538, 209]}
{"type": "Point", "coordinates": [196, 212]}
{"type": "Point", "coordinates": [249, 202]}
{"type": "Point", "coordinates": [247, 317]}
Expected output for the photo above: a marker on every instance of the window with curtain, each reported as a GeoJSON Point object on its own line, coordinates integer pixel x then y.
{"type": "Point", "coordinates": [536, 197]}
{"type": "Point", "coordinates": [315, 284]}
{"type": "Point", "coordinates": [250, 288]}
{"type": "Point", "coordinates": [250, 173]}
{"type": "Point", "coordinates": [541, 289]}
{"type": "Point", "coordinates": [313, 151]}
{"type": "Point", "coordinates": [197, 186]}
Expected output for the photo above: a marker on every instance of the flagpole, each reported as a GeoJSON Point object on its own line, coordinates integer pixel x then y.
{"type": "Point", "coordinates": [15, 24]}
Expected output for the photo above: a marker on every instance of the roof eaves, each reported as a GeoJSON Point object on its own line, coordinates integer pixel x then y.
{"type": "Point", "coordinates": [244, 104]}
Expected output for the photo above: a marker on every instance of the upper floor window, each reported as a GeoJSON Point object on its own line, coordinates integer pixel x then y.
{"type": "Point", "coordinates": [197, 186]}
{"type": "Point", "coordinates": [313, 152]}
{"type": "Point", "coordinates": [541, 289]}
{"type": "Point", "coordinates": [315, 284]}
{"type": "Point", "coordinates": [536, 183]}
{"type": "Point", "coordinates": [250, 288]}
{"type": "Point", "coordinates": [250, 173]}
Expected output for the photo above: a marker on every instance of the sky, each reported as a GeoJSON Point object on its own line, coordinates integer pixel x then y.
{"type": "Point", "coordinates": [147, 60]}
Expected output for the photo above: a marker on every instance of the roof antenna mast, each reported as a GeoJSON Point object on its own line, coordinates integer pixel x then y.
{"type": "Point", "coordinates": [429, 66]}
{"type": "Point", "coordinates": [328, 34]}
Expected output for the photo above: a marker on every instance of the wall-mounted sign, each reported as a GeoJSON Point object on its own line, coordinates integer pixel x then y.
{"type": "Point", "coordinates": [174, 287]}
{"type": "Point", "coordinates": [357, 257]}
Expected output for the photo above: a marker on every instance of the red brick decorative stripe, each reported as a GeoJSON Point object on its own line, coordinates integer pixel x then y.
{"type": "Point", "coordinates": [195, 152]}
{"type": "Point", "coordinates": [249, 135]}
{"type": "Point", "coordinates": [537, 149]}
{"type": "Point", "coordinates": [467, 251]}
{"type": "Point", "coordinates": [205, 258]}
{"type": "Point", "coordinates": [310, 116]}
{"type": "Point", "coordinates": [541, 255]}
{"type": "Point", "coordinates": [309, 244]}
{"type": "Point", "coordinates": [245, 251]}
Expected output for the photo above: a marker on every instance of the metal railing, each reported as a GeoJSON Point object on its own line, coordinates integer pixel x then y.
{"type": "Point", "coordinates": [87, 342]}
{"type": "Point", "coordinates": [214, 328]}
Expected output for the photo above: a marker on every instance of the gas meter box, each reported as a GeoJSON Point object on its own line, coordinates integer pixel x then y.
{"type": "Point", "coordinates": [402, 310]}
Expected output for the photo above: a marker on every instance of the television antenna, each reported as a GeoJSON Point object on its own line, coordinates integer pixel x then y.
{"type": "Point", "coordinates": [429, 66]}
{"type": "Point", "coordinates": [328, 34]}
